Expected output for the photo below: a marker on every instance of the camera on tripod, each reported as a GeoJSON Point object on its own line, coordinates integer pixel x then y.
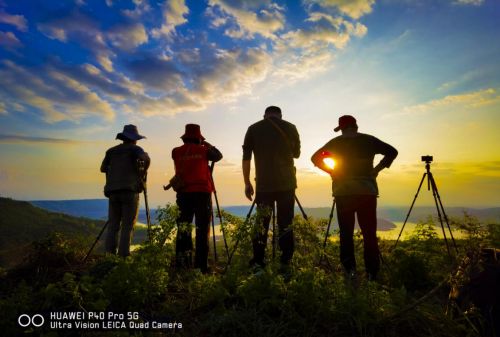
{"type": "Point", "coordinates": [427, 159]}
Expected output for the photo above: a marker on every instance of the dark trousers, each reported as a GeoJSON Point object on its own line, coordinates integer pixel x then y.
{"type": "Point", "coordinates": [285, 201]}
{"type": "Point", "coordinates": [122, 214]}
{"type": "Point", "coordinates": [365, 206]}
{"type": "Point", "coordinates": [197, 205]}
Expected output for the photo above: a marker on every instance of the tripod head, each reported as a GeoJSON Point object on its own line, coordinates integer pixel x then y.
{"type": "Point", "coordinates": [428, 160]}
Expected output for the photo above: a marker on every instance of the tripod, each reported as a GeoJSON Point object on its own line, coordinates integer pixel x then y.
{"type": "Point", "coordinates": [274, 227]}
{"type": "Point", "coordinates": [219, 215]}
{"type": "Point", "coordinates": [431, 184]}
{"type": "Point", "coordinates": [327, 233]}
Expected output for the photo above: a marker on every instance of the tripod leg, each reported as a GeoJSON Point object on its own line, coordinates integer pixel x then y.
{"type": "Point", "coordinates": [218, 209]}
{"type": "Point", "coordinates": [301, 209]}
{"type": "Point", "coordinates": [409, 211]}
{"type": "Point", "coordinates": [95, 242]}
{"type": "Point", "coordinates": [238, 239]}
{"type": "Point", "coordinates": [327, 233]}
{"type": "Point", "coordinates": [274, 231]}
{"type": "Point", "coordinates": [213, 229]}
{"type": "Point", "coordinates": [440, 208]}
{"type": "Point", "coordinates": [148, 217]}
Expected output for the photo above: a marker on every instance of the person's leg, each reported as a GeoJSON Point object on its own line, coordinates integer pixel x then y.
{"type": "Point", "coordinates": [367, 219]}
{"type": "Point", "coordinates": [130, 209]}
{"type": "Point", "coordinates": [264, 201]}
{"type": "Point", "coordinates": [184, 242]}
{"type": "Point", "coordinates": [285, 206]}
{"type": "Point", "coordinates": [114, 217]}
{"type": "Point", "coordinates": [345, 215]}
{"type": "Point", "coordinates": [202, 216]}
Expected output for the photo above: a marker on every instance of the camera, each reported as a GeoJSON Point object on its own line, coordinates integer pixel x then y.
{"type": "Point", "coordinates": [427, 159]}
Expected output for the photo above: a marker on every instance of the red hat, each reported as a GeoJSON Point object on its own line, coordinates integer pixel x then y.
{"type": "Point", "coordinates": [345, 122]}
{"type": "Point", "coordinates": [193, 132]}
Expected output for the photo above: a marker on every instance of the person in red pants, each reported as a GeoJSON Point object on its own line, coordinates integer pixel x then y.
{"type": "Point", "coordinates": [355, 189]}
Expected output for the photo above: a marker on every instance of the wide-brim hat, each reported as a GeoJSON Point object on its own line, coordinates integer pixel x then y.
{"type": "Point", "coordinates": [193, 132]}
{"type": "Point", "coordinates": [345, 122]}
{"type": "Point", "coordinates": [129, 132]}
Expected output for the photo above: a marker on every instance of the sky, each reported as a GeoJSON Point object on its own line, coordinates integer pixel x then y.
{"type": "Point", "coordinates": [421, 75]}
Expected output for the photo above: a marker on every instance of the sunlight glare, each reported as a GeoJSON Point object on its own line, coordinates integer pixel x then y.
{"type": "Point", "coordinates": [329, 162]}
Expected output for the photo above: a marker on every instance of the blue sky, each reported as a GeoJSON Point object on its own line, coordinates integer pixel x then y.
{"type": "Point", "coordinates": [422, 75]}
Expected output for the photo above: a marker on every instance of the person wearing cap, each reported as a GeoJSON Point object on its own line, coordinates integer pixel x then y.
{"type": "Point", "coordinates": [355, 189]}
{"type": "Point", "coordinates": [191, 162]}
{"type": "Point", "coordinates": [124, 183]}
{"type": "Point", "coordinates": [274, 143]}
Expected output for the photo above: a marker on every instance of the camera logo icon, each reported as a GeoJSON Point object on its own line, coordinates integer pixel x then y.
{"type": "Point", "coordinates": [25, 320]}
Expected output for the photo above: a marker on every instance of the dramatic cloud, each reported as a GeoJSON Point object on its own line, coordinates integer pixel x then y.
{"type": "Point", "coordinates": [140, 63]}
{"type": "Point", "coordinates": [244, 20]}
{"type": "Point", "coordinates": [57, 96]}
{"type": "Point", "coordinates": [353, 8]}
{"type": "Point", "coordinates": [174, 12]}
{"type": "Point", "coordinates": [19, 21]}
{"type": "Point", "coordinates": [9, 41]}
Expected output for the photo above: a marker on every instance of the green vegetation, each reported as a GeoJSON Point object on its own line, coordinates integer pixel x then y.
{"type": "Point", "coordinates": [410, 298]}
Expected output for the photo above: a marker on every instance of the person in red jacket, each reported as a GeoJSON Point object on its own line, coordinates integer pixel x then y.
{"type": "Point", "coordinates": [193, 198]}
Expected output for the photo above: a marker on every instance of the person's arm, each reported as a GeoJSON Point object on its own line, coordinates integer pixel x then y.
{"type": "Point", "coordinates": [296, 143]}
{"type": "Point", "coordinates": [105, 164]}
{"type": "Point", "coordinates": [318, 160]}
{"type": "Point", "coordinates": [213, 154]}
{"type": "Point", "coordinates": [389, 153]}
{"type": "Point", "coordinates": [247, 163]}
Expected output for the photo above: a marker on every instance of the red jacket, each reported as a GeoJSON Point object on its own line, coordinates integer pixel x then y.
{"type": "Point", "coordinates": [191, 164]}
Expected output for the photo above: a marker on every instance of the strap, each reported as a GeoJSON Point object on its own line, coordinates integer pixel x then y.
{"type": "Point", "coordinates": [282, 133]}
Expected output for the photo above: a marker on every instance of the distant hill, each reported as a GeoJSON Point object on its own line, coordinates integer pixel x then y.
{"type": "Point", "coordinates": [22, 223]}
{"type": "Point", "coordinates": [98, 209]}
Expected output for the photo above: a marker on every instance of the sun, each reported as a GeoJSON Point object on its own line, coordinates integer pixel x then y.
{"type": "Point", "coordinates": [329, 162]}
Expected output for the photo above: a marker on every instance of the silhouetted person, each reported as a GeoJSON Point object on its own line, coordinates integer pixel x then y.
{"type": "Point", "coordinates": [123, 186]}
{"type": "Point", "coordinates": [355, 189]}
{"type": "Point", "coordinates": [275, 143]}
{"type": "Point", "coordinates": [191, 165]}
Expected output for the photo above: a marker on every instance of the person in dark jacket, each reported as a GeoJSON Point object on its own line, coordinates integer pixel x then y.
{"type": "Point", "coordinates": [355, 189]}
{"type": "Point", "coordinates": [193, 198]}
{"type": "Point", "coordinates": [124, 183]}
{"type": "Point", "coordinates": [274, 143]}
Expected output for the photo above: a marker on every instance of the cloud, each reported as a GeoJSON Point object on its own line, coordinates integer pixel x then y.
{"type": "Point", "coordinates": [247, 18]}
{"type": "Point", "coordinates": [471, 100]}
{"type": "Point", "coordinates": [353, 8]}
{"type": "Point", "coordinates": [3, 108]}
{"type": "Point", "coordinates": [141, 7]}
{"type": "Point", "coordinates": [156, 73]}
{"type": "Point", "coordinates": [9, 41]}
{"type": "Point", "coordinates": [469, 2]}
{"type": "Point", "coordinates": [174, 12]}
{"type": "Point", "coordinates": [326, 30]}
{"type": "Point", "coordinates": [128, 37]}
{"type": "Point", "coordinates": [15, 139]}
{"type": "Point", "coordinates": [18, 21]}
{"type": "Point", "coordinates": [56, 95]}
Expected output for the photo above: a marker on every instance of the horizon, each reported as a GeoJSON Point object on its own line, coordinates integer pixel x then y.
{"type": "Point", "coordinates": [422, 76]}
